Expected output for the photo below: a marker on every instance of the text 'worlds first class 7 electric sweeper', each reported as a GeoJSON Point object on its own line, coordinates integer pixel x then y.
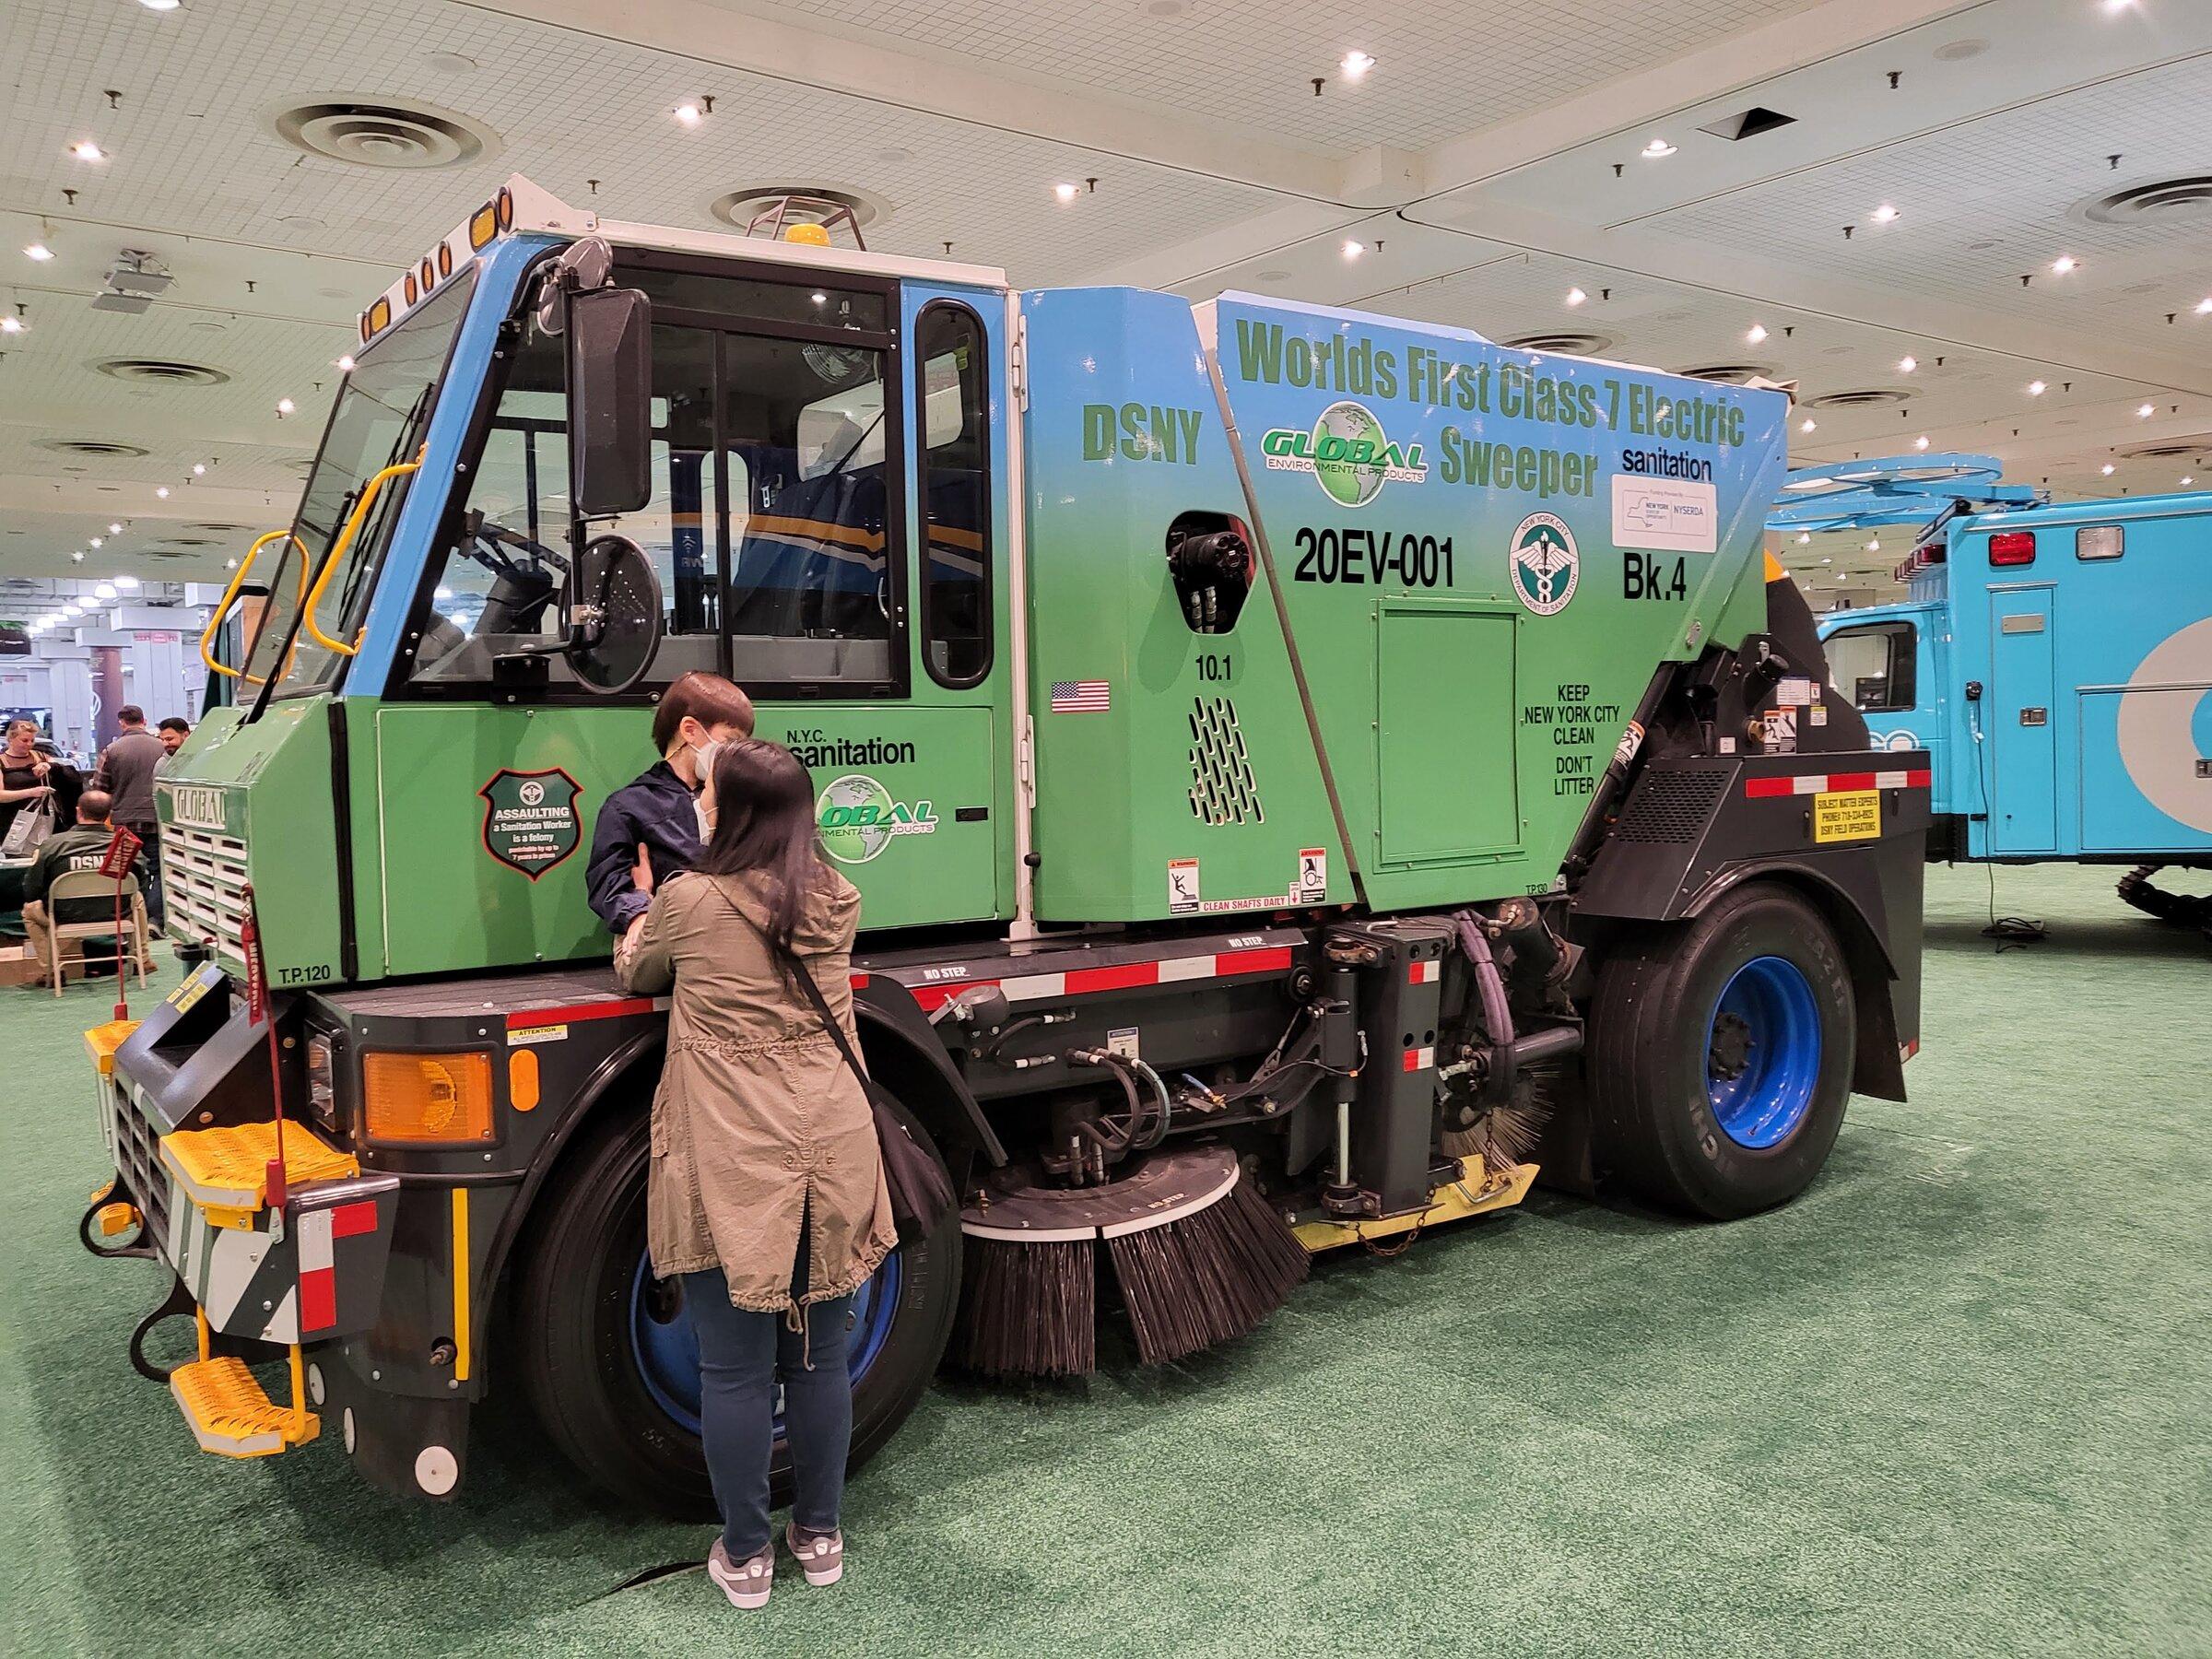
{"type": "Point", "coordinates": [1305, 771]}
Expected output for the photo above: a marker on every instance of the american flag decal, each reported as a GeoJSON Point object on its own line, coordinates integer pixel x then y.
{"type": "Point", "coordinates": [1080, 697]}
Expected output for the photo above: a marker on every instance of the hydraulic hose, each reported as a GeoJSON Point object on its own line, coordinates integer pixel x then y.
{"type": "Point", "coordinates": [1497, 1017]}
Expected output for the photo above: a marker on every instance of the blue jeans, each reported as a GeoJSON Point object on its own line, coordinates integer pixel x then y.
{"type": "Point", "coordinates": [742, 1355]}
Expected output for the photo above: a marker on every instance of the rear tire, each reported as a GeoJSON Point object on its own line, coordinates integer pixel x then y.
{"type": "Point", "coordinates": [613, 1402]}
{"type": "Point", "coordinates": [1721, 1056]}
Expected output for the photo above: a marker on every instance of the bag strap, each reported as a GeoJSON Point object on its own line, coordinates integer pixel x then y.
{"type": "Point", "coordinates": [812, 992]}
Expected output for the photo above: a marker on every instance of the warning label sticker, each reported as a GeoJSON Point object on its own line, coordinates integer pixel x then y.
{"type": "Point", "coordinates": [1313, 882]}
{"type": "Point", "coordinates": [1183, 886]}
{"type": "Point", "coordinates": [1795, 693]}
{"type": "Point", "coordinates": [1847, 816]}
{"type": "Point", "coordinates": [1781, 731]}
{"type": "Point", "coordinates": [523, 1036]}
{"type": "Point", "coordinates": [530, 818]}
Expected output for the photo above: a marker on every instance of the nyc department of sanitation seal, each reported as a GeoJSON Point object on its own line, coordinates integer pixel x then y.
{"type": "Point", "coordinates": [1546, 564]}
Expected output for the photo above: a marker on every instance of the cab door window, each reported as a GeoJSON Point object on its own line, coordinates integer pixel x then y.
{"type": "Point", "coordinates": [953, 393]}
{"type": "Point", "coordinates": [1874, 667]}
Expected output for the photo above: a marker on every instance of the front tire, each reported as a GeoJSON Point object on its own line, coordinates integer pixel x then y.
{"type": "Point", "coordinates": [605, 1354]}
{"type": "Point", "coordinates": [1721, 1056]}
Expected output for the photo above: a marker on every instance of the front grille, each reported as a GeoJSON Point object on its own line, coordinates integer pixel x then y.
{"type": "Point", "coordinates": [202, 881]}
{"type": "Point", "coordinates": [1672, 805]}
{"type": "Point", "coordinates": [138, 1162]}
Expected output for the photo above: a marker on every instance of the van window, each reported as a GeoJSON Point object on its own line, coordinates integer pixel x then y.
{"type": "Point", "coordinates": [1873, 665]}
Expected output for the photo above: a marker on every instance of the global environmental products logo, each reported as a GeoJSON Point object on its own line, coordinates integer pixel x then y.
{"type": "Point", "coordinates": [1545, 563]}
{"type": "Point", "coordinates": [858, 817]}
{"type": "Point", "coordinates": [1347, 453]}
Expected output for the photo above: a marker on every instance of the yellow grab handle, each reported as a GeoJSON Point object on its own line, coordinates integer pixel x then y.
{"type": "Point", "coordinates": [398, 469]}
{"type": "Point", "coordinates": [215, 619]}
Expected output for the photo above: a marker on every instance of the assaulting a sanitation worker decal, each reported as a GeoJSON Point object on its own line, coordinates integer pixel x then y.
{"type": "Point", "coordinates": [530, 818]}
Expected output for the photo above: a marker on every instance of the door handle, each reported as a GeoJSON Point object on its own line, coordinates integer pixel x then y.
{"type": "Point", "coordinates": [2035, 717]}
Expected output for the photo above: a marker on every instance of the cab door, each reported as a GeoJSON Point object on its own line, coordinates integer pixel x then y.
{"type": "Point", "coordinates": [2022, 737]}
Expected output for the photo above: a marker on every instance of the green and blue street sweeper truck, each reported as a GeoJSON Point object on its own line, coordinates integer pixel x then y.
{"type": "Point", "coordinates": [1304, 770]}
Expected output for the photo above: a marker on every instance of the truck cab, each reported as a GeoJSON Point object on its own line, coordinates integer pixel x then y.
{"type": "Point", "coordinates": [2055, 663]}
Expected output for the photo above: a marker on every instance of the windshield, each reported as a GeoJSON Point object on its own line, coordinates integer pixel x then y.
{"type": "Point", "coordinates": [381, 411]}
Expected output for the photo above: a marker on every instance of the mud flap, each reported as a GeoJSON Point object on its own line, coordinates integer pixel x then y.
{"type": "Point", "coordinates": [403, 1444]}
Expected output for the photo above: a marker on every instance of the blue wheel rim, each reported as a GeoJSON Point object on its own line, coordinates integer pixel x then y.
{"type": "Point", "coordinates": [666, 1351]}
{"type": "Point", "coordinates": [1765, 1030]}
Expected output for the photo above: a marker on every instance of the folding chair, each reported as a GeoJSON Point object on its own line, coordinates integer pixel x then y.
{"type": "Point", "coordinates": [134, 937]}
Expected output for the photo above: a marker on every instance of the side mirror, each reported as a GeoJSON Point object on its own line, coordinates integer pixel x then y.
{"type": "Point", "coordinates": [613, 616]}
{"type": "Point", "coordinates": [610, 400]}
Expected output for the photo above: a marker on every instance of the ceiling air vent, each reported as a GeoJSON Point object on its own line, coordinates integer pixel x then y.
{"type": "Point", "coordinates": [99, 448]}
{"type": "Point", "coordinates": [2156, 202]}
{"type": "Point", "coordinates": [218, 529]}
{"type": "Point", "coordinates": [1566, 344]}
{"type": "Point", "coordinates": [377, 133]}
{"type": "Point", "coordinates": [1749, 124]}
{"type": "Point", "coordinates": [190, 541]}
{"type": "Point", "coordinates": [161, 372]}
{"type": "Point", "coordinates": [1864, 397]}
{"type": "Point", "coordinates": [1731, 374]}
{"type": "Point", "coordinates": [2168, 449]}
{"type": "Point", "coordinates": [740, 205]}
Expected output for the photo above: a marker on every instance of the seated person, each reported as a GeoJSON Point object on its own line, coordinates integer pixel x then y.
{"type": "Point", "coordinates": [651, 828]}
{"type": "Point", "coordinates": [81, 847]}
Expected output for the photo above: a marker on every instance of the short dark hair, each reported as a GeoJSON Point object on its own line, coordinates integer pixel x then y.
{"type": "Point", "coordinates": [93, 807]}
{"type": "Point", "coordinates": [131, 714]}
{"type": "Point", "coordinates": [707, 697]}
{"type": "Point", "coordinates": [176, 723]}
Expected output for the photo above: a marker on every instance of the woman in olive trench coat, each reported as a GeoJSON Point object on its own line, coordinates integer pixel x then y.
{"type": "Point", "coordinates": [767, 1190]}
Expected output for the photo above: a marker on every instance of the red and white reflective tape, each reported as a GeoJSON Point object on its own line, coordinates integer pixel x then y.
{"type": "Point", "coordinates": [318, 1262]}
{"type": "Point", "coordinates": [1425, 973]}
{"type": "Point", "coordinates": [1834, 783]}
{"type": "Point", "coordinates": [1124, 976]}
{"type": "Point", "coordinates": [1420, 1059]}
{"type": "Point", "coordinates": [531, 1019]}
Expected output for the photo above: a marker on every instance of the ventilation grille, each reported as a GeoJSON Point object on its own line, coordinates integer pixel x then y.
{"type": "Point", "coordinates": [1671, 805]}
{"type": "Point", "coordinates": [1860, 398]}
{"type": "Point", "coordinates": [1565, 342]}
{"type": "Point", "coordinates": [368, 132]}
{"type": "Point", "coordinates": [1731, 374]}
{"type": "Point", "coordinates": [164, 371]}
{"type": "Point", "coordinates": [2156, 202]}
{"type": "Point", "coordinates": [1222, 788]}
{"type": "Point", "coordinates": [100, 447]}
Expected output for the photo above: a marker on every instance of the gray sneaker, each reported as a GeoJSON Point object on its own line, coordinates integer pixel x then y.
{"type": "Point", "coordinates": [748, 1584]}
{"type": "Point", "coordinates": [822, 1555]}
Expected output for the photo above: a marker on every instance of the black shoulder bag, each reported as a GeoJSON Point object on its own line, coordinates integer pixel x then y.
{"type": "Point", "coordinates": [921, 1190]}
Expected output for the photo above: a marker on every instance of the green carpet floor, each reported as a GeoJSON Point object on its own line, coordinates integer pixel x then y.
{"type": "Point", "coordinates": [1958, 1399]}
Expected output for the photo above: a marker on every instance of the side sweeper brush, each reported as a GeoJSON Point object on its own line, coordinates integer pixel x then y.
{"type": "Point", "coordinates": [1198, 1255]}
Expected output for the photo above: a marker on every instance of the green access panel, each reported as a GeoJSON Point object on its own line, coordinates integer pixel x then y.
{"type": "Point", "coordinates": [1447, 785]}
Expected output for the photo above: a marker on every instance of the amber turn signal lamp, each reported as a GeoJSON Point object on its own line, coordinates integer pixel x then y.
{"type": "Point", "coordinates": [427, 1098]}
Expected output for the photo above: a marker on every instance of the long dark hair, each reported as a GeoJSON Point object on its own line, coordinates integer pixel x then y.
{"type": "Point", "coordinates": [764, 827]}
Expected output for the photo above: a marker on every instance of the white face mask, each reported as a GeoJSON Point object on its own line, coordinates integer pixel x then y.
{"type": "Point", "coordinates": [705, 818]}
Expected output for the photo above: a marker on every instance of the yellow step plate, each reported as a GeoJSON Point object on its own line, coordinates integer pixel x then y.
{"type": "Point", "coordinates": [102, 1041]}
{"type": "Point", "coordinates": [1478, 1192]}
{"type": "Point", "coordinates": [231, 1413]}
{"type": "Point", "coordinates": [228, 1168]}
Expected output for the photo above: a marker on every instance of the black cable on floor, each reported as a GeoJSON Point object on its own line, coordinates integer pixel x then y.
{"type": "Point", "coordinates": [2011, 930]}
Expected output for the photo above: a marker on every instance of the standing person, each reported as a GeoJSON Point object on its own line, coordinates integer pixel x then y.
{"type": "Point", "coordinates": [26, 775]}
{"type": "Point", "coordinates": [172, 733]}
{"type": "Point", "coordinates": [81, 847]}
{"type": "Point", "coordinates": [651, 828]}
{"type": "Point", "coordinates": [126, 773]}
{"type": "Point", "coordinates": [769, 1198]}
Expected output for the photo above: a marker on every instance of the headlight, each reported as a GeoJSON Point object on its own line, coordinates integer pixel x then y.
{"type": "Point", "coordinates": [322, 1082]}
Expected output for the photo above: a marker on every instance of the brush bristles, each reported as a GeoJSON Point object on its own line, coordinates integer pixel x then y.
{"type": "Point", "coordinates": [1207, 1278]}
{"type": "Point", "coordinates": [1029, 1310]}
{"type": "Point", "coordinates": [1505, 1136]}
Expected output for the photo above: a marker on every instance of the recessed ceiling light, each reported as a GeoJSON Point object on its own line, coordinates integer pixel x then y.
{"type": "Point", "coordinates": [1804, 538]}
{"type": "Point", "coordinates": [96, 541]}
{"type": "Point", "coordinates": [199, 470]}
{"type": "Point", "coordinates": [1355, 65]}
{"type": "Point", "coordinates": [687, 113]}
{"type": "Point", "coordinates": [1884, 214]}
{"type": "Point", "coordinates": [1755, 332]}
{"type": "Point", "coordinates": [284, 406]}
{"type": "Point", "coordinates": [1575, 296]}
{"type": "Point", "coordinates": [1906, 364]}
{"type": "Point", "coordinates": [2143, 411]}
{"type": "Point", "coordinates": [163, 493]}
{"type": "Point", "coordinates": [1875, 545]}
{"type": "Point", "coordinates": [2110, 469]}
{"type": "Point", "coordinates": [2064, 262]}
{"type": "Point", "coordinates": [1808, 425]}
{"type": "Point", "coordinates": [1921, 442]}
{"type": "Point", "coordinates": [1352, 249]}
{"type": "Point", "coordinates": [2113, 7]}
{"type": "Point", "coordinates": [126, 583]}
{"type": "Point", "coordinates": [1067, 193]}
{"type": "Point", "coordinates": [84, 149]}
{"type": "Point", "coordinates": [2203, 305]}
{"type": "Point", "coordinates": [2186, 482]}
{"type": "Point", "coordinates": [1657, 147]}
{"type": "Point", "coordinates": [819, 298]}
{"type": "Point", "coordinates": [346, 365]}
{"type": "Point", "coordinates": [229, 564]}
{"type": "Point", "coordinates": [160, 4]}
{"type": "Point", "coordinates": [115, 529]}
{"type": "Point", "coordinates": [2036, 388]}
{"type": "Point", "coordinates": [12, 325]}
{"type": "Point", "coordinates": [1828, 562]}
{"type": "Point", "coordinates": [40, 251]}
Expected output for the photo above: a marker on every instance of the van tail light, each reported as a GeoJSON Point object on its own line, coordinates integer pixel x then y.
{"type": "Point", "coordinates": [2012, 547]}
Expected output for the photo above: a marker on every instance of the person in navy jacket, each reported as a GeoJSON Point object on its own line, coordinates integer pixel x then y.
{"type": "Point", "coordinates": [649, 829]}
